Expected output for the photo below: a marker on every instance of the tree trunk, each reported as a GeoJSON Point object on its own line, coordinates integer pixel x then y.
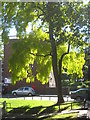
{"type": "Point", "coordinates": [57, 75]}
{"type": "Point", "coordinates": [60, 98]}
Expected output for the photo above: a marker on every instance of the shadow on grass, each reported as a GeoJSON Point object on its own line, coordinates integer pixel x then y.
{"type": "Point", "coordinates": [50, 112]}
{"type": "Point", "coordinates": [39, 112]}
{"type": "Point", "coordinates": [19, 110]}
{"type": "Point", "coordinates": [25, 111]}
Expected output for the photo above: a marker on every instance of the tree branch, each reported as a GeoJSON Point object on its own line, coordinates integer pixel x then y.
{"type": "Point", "coordinates": [60, 61]}
{"type": "Point", "coordinates": [40, 55]}
{"type": "Point", "coordinates": [40, 15]}
{"type": "Point", "coordinates": [40, 8]}
{"type": "Point", "coordinates": [66, 52]}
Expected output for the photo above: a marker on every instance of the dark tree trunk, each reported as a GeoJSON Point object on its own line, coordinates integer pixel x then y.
{"type": "Point", "coordinates": [57, 74]}
{"type": "Point", "coordinates": [60, 95]}
{"type": "Point", "coordinates": [89, 72]}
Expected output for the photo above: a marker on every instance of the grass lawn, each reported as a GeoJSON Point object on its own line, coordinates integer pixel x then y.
{"type": "Point", "coordinates": [39, 108]}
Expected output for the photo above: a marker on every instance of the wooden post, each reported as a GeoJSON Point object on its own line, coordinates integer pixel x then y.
{"type": "Point", "coordinates": [32, 97]}
{"type": "Point", "coordinates": [59, 108]}
{"type": "Point", "coordinates": [24, 98]}
{"type": "Point", "coordinates": [84, 103]}
{"type": "Point", "coordinates": [41, 97]}
{"type": "Point", "coordinates": [4, 107]}
{"type": "Point", "coordinates": [67, 98]}
{"type": "Point", "coordinates": [8, 96]}
{"type": "Point", "coordinates": [71, 106]}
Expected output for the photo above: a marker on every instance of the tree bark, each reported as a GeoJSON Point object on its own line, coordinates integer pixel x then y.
{"type": "Point", "coordinates": [60, 95]}
{"type": "Point", "coordinates": [57, 75]}
{"type": "Point", "coordinates": [57, 72]}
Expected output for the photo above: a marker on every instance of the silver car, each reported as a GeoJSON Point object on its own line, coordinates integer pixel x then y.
{"type": "Point", "coordinates": [24, 91]}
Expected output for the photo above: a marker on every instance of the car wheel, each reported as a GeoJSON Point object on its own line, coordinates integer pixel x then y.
{"type": "Point", "coordinates": [29, 94]}
{"type": "Point", "coordinates": [78, 99]}
{"type": "Point", "coordinates": [15, 94]}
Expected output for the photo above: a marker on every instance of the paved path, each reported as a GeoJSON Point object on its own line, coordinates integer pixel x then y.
{"type": "Point", "coordinates": [88, 113]}
{"type": "Point", "coordinates": [81, 113]}
{"type": "Point", "coordinates": [85, 113]}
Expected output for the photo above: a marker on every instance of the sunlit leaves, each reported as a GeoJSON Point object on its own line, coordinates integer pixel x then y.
{"type": "Point", "coordinates": [41, 35]}
{"type": "Point", "coordinates": [36, 45]}
{"type": "Point", "coordinates": [74, 62]}
{"type": "Point", "coordinates": [28, 50]}
{"type": "Point", "coordinates": [44, 68]}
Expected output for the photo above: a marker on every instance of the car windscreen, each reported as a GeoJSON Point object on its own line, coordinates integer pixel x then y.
{"type": "Point", "coordinates": [20, 89]}
{"type": "Point", "coordinates": [26, 89]}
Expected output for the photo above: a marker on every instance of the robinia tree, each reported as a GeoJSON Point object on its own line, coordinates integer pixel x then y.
{"type": "Point", "coordinates": [54, 40]}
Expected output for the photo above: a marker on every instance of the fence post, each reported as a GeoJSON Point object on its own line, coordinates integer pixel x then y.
{"type": "Point", "coordinates": [59, 108]}
{"type": "Point", "coordinates": [84, 103]}
{"type": "Point", "coordinates": [24, 98]}
{"type": "Point", "coordinates": [4, 107]}
{"type": "Point", "coordinates": [41, 97]}
{"type": "Point", "coordinates": [71, 106]}
{"type": "Point", "coordinates": [67, 98]}
{"type": "Point", "coordinates": [32, 97]}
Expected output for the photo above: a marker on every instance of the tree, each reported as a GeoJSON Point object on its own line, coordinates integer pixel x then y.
{"type": "Point", "coordinates": [86, 32]}
{"type": "Point", "coordinates": [55, 41]}
{"type": "Point", "coordinates": [1, 50]}
{"type": "Point", "coordinates": [86, 68]}
{"type": "Point", "coordinates": [1, 43]}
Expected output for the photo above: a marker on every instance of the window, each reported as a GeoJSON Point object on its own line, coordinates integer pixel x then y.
{"type": "Point", "coordinates": [26, 88]}
{"type": "Point", "coordinates": [21, 89]}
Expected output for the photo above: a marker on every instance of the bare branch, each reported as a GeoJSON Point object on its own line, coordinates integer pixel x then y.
{"type": "Point", "coordinates": [60, 61]}
{"type": "Point", "coordinates": [66, 52]}
{"type": "Point", "coordinates": [40, 8]}
{"type": "Point", "coordinates": [40, 55]}
{"type": "Point", "coordinates": [40, 15]}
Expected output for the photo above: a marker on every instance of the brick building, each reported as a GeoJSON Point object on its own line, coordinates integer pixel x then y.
{"type": "Point", "coordinates": [40, 89]}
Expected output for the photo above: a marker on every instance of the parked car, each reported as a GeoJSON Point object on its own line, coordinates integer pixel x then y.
{"type": "Point", "coordinates": [24, 91]}
{"type": "Point", "coordinates": [80, 94]}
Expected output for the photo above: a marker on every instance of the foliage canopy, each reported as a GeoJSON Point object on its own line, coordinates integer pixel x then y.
{"type": "Point", "coordinates": [67, 22]}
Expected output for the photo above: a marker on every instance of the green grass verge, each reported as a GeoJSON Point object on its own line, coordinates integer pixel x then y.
{"type": "Point", "coordinates": [40, 108]}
